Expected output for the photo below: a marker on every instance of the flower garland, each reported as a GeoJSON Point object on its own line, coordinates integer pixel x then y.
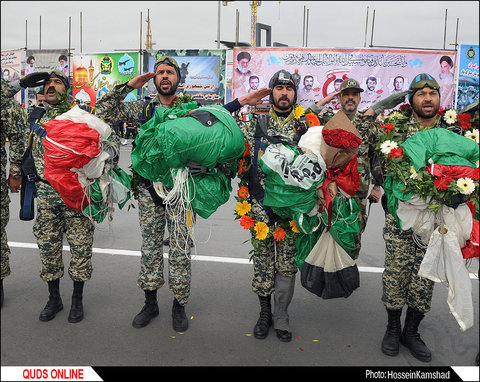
{"type": "Point", "coordinates": [439, 190]}
{"type": "Point", "coordinates": [260, 231]}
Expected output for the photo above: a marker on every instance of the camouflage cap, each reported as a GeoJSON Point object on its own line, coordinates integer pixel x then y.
{"type": "Point", "coordinates": [59, 74]}
{"type": "Point", "coordinates": [350, 83]}
{"type": "Point", "coordinates": [168, 61]}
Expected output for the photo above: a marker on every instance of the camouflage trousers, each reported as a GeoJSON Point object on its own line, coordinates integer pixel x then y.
{"type": "Point", "coordinates": [268, 261]}
{"type": "Point", "coordinates": [401, 283]}
{"type": "Point", "coordinates": [5, 216]}
{"type": "Point", "coordinates": [153, 220]}
{"type": "Point", "coordinates": [52, 221]}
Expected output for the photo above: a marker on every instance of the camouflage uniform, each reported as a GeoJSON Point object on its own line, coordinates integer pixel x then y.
{"type": "Point", "coordinates": [152, 218]}
{"type": "Point", "coordinates": [14, 119]}
{"type": "Point", "coordinates": [362, 122]}
{"type": "Point", "coordinates": [54, 219]}
{"type": "Point", "coordinates": [269, 261]}
{"type": "Point", "coordinates": [401, 284]}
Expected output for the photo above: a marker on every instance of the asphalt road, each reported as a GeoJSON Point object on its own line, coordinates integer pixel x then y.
{"type": "Point", "coordinates": [222, 308]}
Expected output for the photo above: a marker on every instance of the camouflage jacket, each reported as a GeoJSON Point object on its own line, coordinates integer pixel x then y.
{"type": "Point", "coordinates": [44, 189]}
{"type": "Point", "coordinates": [289, 127]}
{"type": "Point", "coordinates": [111, 106]}
{"type": "Point", "coordinates": [14, 119]}
{"type": "Point", "coordinates": [365, 124]}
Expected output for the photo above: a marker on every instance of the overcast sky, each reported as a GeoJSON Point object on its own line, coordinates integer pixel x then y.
{"type": "Point", "coordinates": [115, 25]}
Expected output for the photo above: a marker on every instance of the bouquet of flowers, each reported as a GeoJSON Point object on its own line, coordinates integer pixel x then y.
{"type": "Point", "coordinates": [440, 186]}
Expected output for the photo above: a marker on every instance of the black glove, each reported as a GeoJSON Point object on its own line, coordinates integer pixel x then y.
{"type": "Point", "coordinates": [390, 102]}
{"type": "Point", "coordinates": [195, 168]}
{"type": "Point", "coordinates": [34, 80]}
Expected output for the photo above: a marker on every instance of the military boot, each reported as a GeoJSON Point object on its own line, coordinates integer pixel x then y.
{"type": "Point", "coordinates": [391, 339]}
{"type": "Point", "coordinates": [149, 310]}
{"type": "Point", "coordinates": [76, 310]}
{"type": "Point", "coordinates": [54, 304]}
{"type": "Point", "coordinates": [179, 319]}
{"type": "Point", "coordinates": [411, 338]}
{"type": "Point", "coordinates": [265, 320]}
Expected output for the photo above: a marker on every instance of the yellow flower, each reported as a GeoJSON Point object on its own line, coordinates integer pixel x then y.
{"type": "Point", "coordinates": [262, 230]}
{"type": "Point", "coordinates": [243, 208]}
{"type": "Point", "coordinates": [294, 226]}
{"type": "Point", "coordinates": [466, 185]}
{"type": "Point", "coordinates": [299, 111]}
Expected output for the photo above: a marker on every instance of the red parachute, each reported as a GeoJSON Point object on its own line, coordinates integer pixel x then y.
{"type": "Point", "coordinates": [68, 145]}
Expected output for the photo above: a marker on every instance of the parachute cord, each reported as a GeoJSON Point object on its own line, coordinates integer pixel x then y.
{"type": "Point", "coordinates": [178, 207]}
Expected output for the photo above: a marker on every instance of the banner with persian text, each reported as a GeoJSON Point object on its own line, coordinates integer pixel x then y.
{"type": "Point", "coordinates": [467, 81]}
{"type": "Point", "coordinates": [202, 72]}
{"type": "Point", "coordinates": [11, 66]}
{"type": "Point", "coordinates": [95, 74]}
{"type": "Point", "coordinates": [380, 72]}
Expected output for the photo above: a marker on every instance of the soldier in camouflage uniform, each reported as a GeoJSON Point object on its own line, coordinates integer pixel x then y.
{"type": "Point", "coordinates": [274, 268]}
{"type": "Point", "coordinates": [403, 257]}
{"type": "Point", "coordinates": [14, 120]}
{"type": "Point", "coordinates": [54, 218]}
{"type": "Point", "coordinates": [152, 214]}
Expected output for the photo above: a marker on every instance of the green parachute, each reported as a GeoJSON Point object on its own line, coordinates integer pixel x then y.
{"type": "Point", "coordinates": [206, 135]}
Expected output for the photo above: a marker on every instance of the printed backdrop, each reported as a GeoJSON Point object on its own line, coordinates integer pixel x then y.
{"type": "Point", "coordinates": [202, 73]}
{"type": "Point", "coordinates": [467, 83]}
{"type": "Point", "coordinates": [386, 70]}
{"type": "Point", "coordinates": [96, 74]}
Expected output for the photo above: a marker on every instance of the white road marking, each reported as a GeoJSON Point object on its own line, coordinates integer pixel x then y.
{"type": "Point", "coordinates": [218, 259]}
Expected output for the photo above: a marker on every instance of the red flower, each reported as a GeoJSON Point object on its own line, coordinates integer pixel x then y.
{"type": "Point", "coordinates": [441, 111]}
{"type": "Point", "coordinates": [247, 150]}
{"type": "Point", "coordinates": [340, 138]}
{"type": "Point", "coordinates": [404, 106]}
{"type": "Point", "coordinates": [242, 192]}
{"type": "Point", "coordinates": [442, 183]}
{"type": "Point", "coordinates": [464, 120]}
{"type": "Point", "coordinates": [247, 222]}
{"type": "Point", "coordinates": [312, 120]}
{"type": "Point", "coordinates": [279, 234]}
{"type": "Point", "coordinates": [395, 153]}
{"type": "Point", "coordinates": [388, 127]}
{"type": "Point", "coordinates": [241, 167]}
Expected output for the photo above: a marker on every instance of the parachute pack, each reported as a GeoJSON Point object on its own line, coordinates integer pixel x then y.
{"type": "Point", "coordinates": [174, 136]}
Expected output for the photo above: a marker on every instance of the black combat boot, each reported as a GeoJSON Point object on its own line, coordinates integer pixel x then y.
{"type": "Point", "coordinates": [76, 310]}
{"type": "Point", "coordinates": [179, 319]}
{"type": "Point", "coordinates": [411, 338]}
{"type": "Point", "coordinates": [265, 320]}
{"type": "Point", "coordinates": [149, 310]}
{"type": "Point", "coordinates": [54, 304]}
{"type": "Point", "coordinates": [391, 339]}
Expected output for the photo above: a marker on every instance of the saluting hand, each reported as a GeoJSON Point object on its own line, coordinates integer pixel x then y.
{"type": "Point", "coordinates": [254, 98]}
{"type": "Point", "coordinates": [140, 80]}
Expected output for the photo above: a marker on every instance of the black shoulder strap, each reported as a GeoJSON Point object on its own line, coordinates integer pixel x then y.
{"type": "Point", "coordinates": [35, 116]}
{"type": "Point", "coordinates": [147, 110]}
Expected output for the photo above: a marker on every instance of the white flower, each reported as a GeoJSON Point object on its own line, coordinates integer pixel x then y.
{"type": "Point", "coordinates": [387, 146]}
{"type": "Point", "coordinates": [473, 135]}
{"type": "Point", "coordinates": [466, 185]}
{"type": "Point", "coordinates": [413, 173]}
{"type": "Point", "coordinates": [450, 116]}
